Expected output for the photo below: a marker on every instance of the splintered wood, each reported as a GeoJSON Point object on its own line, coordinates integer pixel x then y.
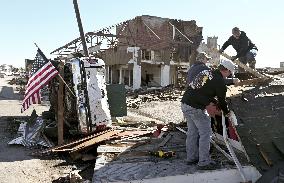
{"type": "Point", "coordinates": [91, 140]}
{"type": "Point", "coordinates": [81, 142]}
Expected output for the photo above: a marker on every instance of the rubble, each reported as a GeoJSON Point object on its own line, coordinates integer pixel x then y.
{"type": "Point", "coordinates": [31, 135]}
{"type": "Point", "coordinates": [18, 81]}
{"type": "Point", "coordinates": [129, 143]}
{"type": "Point", "coordinates": [135, 99]}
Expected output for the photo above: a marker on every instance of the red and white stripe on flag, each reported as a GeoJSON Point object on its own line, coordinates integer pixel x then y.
{"type": "Point", "coordinates": [36, 82]}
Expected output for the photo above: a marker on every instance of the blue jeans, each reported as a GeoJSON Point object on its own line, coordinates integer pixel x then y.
{"type": "Point", "coordinates": [198, 135]}
{"type": "Point", "coordinates": [249, 58]}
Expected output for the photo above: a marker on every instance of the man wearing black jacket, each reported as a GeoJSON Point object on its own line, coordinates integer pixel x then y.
{"type": "Point", "coordinates": [197, 106]}
{"type": "Point", "coordinates": [246, 50]}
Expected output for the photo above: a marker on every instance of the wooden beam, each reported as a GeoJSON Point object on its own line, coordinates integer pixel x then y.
{"type": "Point", "coordinates": [253, 81]}
{"type": "Point", "coordinates": [250, 70]}
{"type": "Point", "coordinates": [67, 45]}
{"type": "Point", "coordinates": [60, 112]}
{"type": "Point", "coordinates": [107, 136]}
{"type": "Point", "coordinates": [106, 35]}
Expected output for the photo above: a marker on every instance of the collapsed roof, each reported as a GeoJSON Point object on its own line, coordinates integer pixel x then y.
{"type": "Point", "coordinates": [146, 32]}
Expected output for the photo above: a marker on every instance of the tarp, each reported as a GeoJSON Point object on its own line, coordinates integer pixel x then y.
{"type": "Point", "coordinates": [31, 135]}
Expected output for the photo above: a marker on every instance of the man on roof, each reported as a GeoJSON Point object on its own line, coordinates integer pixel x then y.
{"type": "Point", "coordinates": [246, 50]}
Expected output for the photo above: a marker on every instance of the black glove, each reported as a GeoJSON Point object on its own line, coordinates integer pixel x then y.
{"type": "Point", "coordinates": [221, 51]}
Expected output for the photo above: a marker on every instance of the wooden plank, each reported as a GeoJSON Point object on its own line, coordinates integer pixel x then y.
{"type": "Point", "coordinates": [252, 81]}
{"type": "Point", "coordinates": [278, 142]}
{"type": "Point", "coordinates": [68, 146]}
{"type": "Point", "coordinates": [60, 112]}
{"type": "Point", "coordinates": [112, 149]}
{"type": "Point", "coordinates": [250, 70]}
{"type": "Point", "coordinates": [107, 136]}
{"type": "Point", "coordinates": [264, 155]}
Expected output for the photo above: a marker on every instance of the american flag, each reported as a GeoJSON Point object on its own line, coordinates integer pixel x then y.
{"type": "Point", "coordinates": [42, 72]}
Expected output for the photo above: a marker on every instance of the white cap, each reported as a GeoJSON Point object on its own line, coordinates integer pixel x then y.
{"type": "Point", "coordinates": [228, 64]}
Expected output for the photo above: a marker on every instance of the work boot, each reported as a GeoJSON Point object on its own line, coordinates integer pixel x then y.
{"type": "Point", "coordinates": [211, 166]}
{"type": "Point", "coordinates": [252, 64]}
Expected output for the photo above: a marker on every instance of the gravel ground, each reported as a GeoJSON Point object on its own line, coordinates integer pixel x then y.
{"type": "Point", "coordinates": [166, 111]}
{"type": "Point", "coordinates": [16, 164]}
{"type": "Point", "coordinates": [170, 111]}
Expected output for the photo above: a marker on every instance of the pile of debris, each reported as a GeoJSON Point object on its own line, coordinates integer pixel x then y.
{"type": "Point", "coordinates": [18, 81]}
{"type": "Point", "coordinates": [31, 132]}
{"type": "Point", "coordinates": [135, 99]}
{"type": "Point", "coordinates": [271, 71]}
{"type": "Point", "coordinates": [160, 155]}
{"type": "Point", "coordinates": [144, 149]}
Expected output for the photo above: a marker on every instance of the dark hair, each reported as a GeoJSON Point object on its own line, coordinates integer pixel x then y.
{"type": "Point", "coordinates": [235, 29]}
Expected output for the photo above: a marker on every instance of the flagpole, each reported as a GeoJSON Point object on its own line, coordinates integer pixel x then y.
{"type": "Point", "coordinates": [62, 79]}
{"type": "Point", "coordinates": [66, 85]}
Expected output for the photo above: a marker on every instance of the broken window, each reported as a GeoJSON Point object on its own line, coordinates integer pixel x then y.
{"type": "Point", "coordinates": [149, 78]}
{"type": "Point", "coordinates": [174, 56]}
{"type": "Point", "coordinates": [157, 55]}
{"type": "Point", "coordinates": [146, 54]}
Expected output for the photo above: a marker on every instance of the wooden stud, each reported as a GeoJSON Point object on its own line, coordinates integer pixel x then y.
{"type": "Point", "coordinates": [60, 109]}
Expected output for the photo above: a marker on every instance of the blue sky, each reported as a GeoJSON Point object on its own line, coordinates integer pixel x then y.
{"type": "Point", "coordinates": [52, 23]}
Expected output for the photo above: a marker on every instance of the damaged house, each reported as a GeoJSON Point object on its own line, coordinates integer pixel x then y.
{"type": "Point", "coordinates": [144, 51]}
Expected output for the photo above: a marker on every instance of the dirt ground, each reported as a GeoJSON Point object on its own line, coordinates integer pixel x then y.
{"type": "Point", "coordinates": [16, 163]}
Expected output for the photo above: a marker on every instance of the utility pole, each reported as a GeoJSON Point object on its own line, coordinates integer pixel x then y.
{"type": "Point", "coordinates": [86, 54]}
{"type": "Point", "coordinates": [82, 35]}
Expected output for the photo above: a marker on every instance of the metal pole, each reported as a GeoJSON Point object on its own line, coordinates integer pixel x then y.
{"type": "Point", "coordinates": [76, 8]}
{"type": "Point", "coordinates": [82, 35]}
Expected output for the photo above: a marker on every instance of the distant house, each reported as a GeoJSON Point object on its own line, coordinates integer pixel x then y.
{"type": "Point", "coordinates": [6, 69]}
{"type": "Point", "coordinates": [145, 51]}
{"type": "Point", "coordinates": [281, 64]}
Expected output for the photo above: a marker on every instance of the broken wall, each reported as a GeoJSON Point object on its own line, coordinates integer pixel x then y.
{"type": "Point", "coordinates": [155, 33]}
{"type": "Point", "coordinates": [116, 56]}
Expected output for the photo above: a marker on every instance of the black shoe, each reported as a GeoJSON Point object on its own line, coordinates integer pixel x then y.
{"type": "Point", "coordinates": [192, 162]}
{"type": "Point", "coordinates": [210, 166]}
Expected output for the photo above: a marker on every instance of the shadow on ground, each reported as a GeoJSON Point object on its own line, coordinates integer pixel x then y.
{"type": "Point", "coordinates": [7, 93]}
